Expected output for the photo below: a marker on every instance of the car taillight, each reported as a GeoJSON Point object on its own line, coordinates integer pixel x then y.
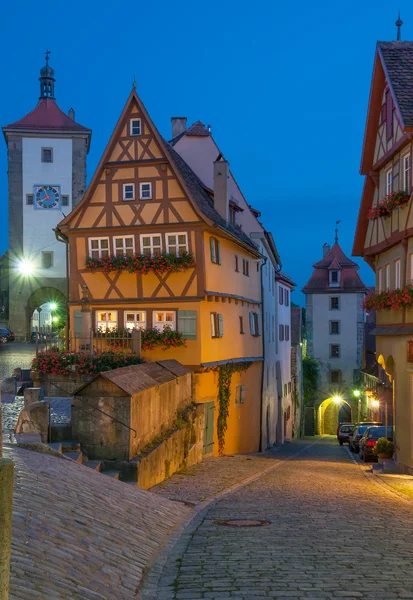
{"type": "Point", "coordinates": [371, 443]}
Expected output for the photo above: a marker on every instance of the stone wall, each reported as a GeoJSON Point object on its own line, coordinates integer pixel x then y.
{"type": "Point", "coordinates": [181, 449]}
{"type": "Point", "coordinates": [58, 385]}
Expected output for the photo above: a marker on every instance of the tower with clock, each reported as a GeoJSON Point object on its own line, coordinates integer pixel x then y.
{"type": "Point", "coordinates": [47, 152]}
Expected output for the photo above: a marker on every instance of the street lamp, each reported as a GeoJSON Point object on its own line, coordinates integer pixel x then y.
{"type": "Point", "coordinates": [53, 306]}
{"type": "Point", "coordinates": [356, 393]}
{"type": "Point", "coordinates": [25, 267]}
{"type": "Point", "coordinates": [375, 403]}
{"type": "Point", "coordinates": [337, 399]}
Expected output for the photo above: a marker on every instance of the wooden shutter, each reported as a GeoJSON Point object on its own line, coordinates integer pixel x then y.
{"type": "Point", "coordinates": [77, 323]}
{"type": "Point", "coordinates": [213, 253]}
{"type": "Point", "coordinates": [187, 324]}
{"type": "Point", "coordinates": [281, 295]}
{"type": "Point", "coordinates": [218, 251]}
{"type": "Point", "coordinates": [220, 327]}
{"type": "Point", "coordinates": [252, 324]}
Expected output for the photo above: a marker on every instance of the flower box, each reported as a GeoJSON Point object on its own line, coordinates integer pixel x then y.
{"type": "Point", "coordinates": [386, 206]}
{"type": "Point", "coordinates": [142, 263]}
{"type": "Point", "coordinates": [390, 299]}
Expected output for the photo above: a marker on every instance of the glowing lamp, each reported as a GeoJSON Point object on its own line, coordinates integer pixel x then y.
{"type": "Point", "coordinates": [25, 267]}
{"type": "Point", "coordinates": [356, 393]}
{"type": "Point", "coordinates": [337, 399]}
{"type": "Point", "coordinates": [375, 403]}
{"type": "Point", "coordinates": [55, 319]}
{"type": "Point", "coordinates": [53, 306]}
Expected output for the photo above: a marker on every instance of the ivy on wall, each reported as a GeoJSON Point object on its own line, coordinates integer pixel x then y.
{"type": "Point", "coordinates": [224, 395]}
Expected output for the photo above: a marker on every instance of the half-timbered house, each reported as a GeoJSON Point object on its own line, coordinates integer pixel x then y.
{"type": "Point", "coordinates": [385, 226]}
{"type": "Point", "coordinates": [156, 249]}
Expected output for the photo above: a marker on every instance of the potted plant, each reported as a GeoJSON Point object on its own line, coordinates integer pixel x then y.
{"type": "Point", "coordinates": [384, 448]}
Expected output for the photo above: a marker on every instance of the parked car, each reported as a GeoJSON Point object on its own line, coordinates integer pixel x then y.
{"type": "Point", "coordinates": [6, 335]}
{"type": "Point", "coordinates": [344, 432]}
{"type": "Point", "coordinates": [369, 439]}
{"type": "Point", "coordinates": [343, 423]}
{"type": "Point", "coordinates": [355, 436]}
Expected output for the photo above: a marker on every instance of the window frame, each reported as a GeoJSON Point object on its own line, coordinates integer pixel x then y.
{"type": "Point", "coordinates": [136, 322]}
{"type": "Point", "coordinates": [281, 333]}
{"type": "Point", "coordinates": [168, 245]}
{"type": "Point", "coordinates": [286, 333]}
{"type": "Point", "coordinates": [65, 200]}
{"type": "Point", "coordinates": [254, 319]}
{"type": "Point", "coordinates": [165, 323]}
{"type": "Point", "coordinates": [286, 297]}
{"type": "Point", "coordinates": [240, 393]}
{"type": "Point", "coordinates": [106, 311]}
{"type": "Point", "coordinates": [141, 184]}
{"type": "Point", "coordinates": [124, 247]}
{"type": "Point", "coordinates": [28, 203]}
{"type": "Point", "coordinates": [246, 267]}
{"type": "Point", "coordinates": [331, 355]}
{"type": "Point", "coordinates": [338, 372]}
{"type": "Point", "coordinates": [389, 181]}
{"type": "Point", "coordinates": [215, 250]}
{"type": "Point", "coordinates": [236, 263]}
{"type": "Point", "coordinates": [124, 193]}
{"type": "Point", "coordinates": [338, 327]}
{"type": "Point", "coordinates": [407, 172]}
{"type": "Point", "coordinates": [281, 295]}
{"type": "Point", "coordinates": [100, 249]}
{"type": "Point", "coordinates": [50, 254]}
{"type": "Point", "coordinates": [46, 149]}
{"type": "Point", "coordinates": [151, 236]}
{"type": "Point", "coordinates": [331, 302]}
{"type": "Point", "coordinates": [241, 325]}
{"type": "Point", "coordinates": [131, 126]}
{"type": "Point", "coordinates": [217, 325]}
{"type": "Point", "coordinates": [397, 273]}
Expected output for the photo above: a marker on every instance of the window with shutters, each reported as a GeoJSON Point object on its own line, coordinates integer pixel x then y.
{"type": "Point", "coordinates": [187, 324]}
{"type": "Point", "coordinates": [255, 324]}
{"type": "Point", "coordinates": [163, 319]}
{"type": "Point", "coordinates": [124, 246]}
{"type": "Point", "coordinates": [215, 250]}
{"type": "Point", "coordinates": [135, 320]}
{"type": "Point", "coordinates": [281, 295]}
{"type": "Point", "coordinates": [281, 333]}
{"type": "Point", "coordinates": [217, 325]}
{"type": "Point", "coordinates": [176, 243]}
{"type": "Point", "coordinates": [106, 320]}
{"type": "Point", "coordinates": [98, 247]}
{"type": "Point", "coordinates": [240, 394]}
{"type": "Point", "coordinates": [241, 324]}
{"type": "Point", "coordinates": [151, 245]}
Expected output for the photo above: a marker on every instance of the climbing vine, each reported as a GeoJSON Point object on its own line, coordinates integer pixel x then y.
{"type": "Point", "coordinates": [224, 394]}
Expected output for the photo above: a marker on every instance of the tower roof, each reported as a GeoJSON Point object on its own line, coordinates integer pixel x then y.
{"type": "Point", "coordinates": [349, 281]}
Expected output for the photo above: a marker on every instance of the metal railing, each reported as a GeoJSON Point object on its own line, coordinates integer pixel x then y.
{"type": "Point", "coordinates": [128, 341]}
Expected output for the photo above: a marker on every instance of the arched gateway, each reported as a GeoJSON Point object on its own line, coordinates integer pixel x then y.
{"type": "Point", "coordinates": [330, 413]}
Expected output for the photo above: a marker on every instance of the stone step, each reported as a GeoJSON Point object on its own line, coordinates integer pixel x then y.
{"type": "Point", "coordinates": [75, 456]}
{"type": "Point", "coordinates": [93, 464]}
{"type": "Point", "coordinates": [28, 438]}
{"type": "Point", "coordinates": [55, 446]}
{"type": "Point", "coordinates": [71, 446]}
{"type": "Point", "coordinates": [113, 474]}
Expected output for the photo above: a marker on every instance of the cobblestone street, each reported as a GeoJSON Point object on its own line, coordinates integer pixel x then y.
{"type": "Point", "coordinates": [15, 354]}
{"type": "Point", "coordinates": [333, 533]}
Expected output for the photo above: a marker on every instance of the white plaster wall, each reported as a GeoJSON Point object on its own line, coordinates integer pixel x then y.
{"type": "Point", "coordinates": [200, 154]}
{"type": "Point", "coordinates": [347, 338]}
{"type": "Point", "coordinates": [283, 351]}
{"type": "Point", "coordinates": [38, 225]}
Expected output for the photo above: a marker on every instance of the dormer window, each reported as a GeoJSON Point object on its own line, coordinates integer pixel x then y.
{"type": "Point", "coordinates": [232, 214]}
{"type": "Point", "coordinates": [135, 126]}
{"type": "Point", "coordinates": [334, 278]}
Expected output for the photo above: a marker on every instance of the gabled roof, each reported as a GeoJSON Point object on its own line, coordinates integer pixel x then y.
{"type": "Point", "coordinates": [46, 116]}
{"type": "Point", "coordinates": [284, 278]}
{"type": "Point", "coordinates": [198, 129]}
{"type": "Point", "coordinates": [398, 64]}
{"type": "Point", "coordinates": [197, 194]}
{"type": "Point", "coordinates": [137, 378]}
{"type": "Point", "coordinates": [350, 281]}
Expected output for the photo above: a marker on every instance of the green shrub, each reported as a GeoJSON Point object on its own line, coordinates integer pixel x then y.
{"type": "Point", "coordinates": [384, 446]}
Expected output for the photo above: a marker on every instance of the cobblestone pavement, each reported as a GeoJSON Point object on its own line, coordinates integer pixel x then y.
{"type": "Point", "coordinates": [15, 354]}
{"type": "Point", "coordinates": [212, 476]}
{"type": "Point", "coordinates": [333, 534]}
{"type": "Point", "coordinates": [79, 534]}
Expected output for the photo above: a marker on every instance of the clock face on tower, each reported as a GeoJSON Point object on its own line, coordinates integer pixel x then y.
{"type": "Point", "coordinates": [47, 196]}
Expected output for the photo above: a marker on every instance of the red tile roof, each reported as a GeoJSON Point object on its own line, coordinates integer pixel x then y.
{"type": "Point", "coordinates": [198, 129]}
{"type": "Point", "coordinates": [46, 116]}
{"type": "Point", "coordinates": [350, 281]}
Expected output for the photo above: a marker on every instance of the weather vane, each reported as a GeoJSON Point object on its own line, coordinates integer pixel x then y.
{"type": "Point", "coordinates": [336, 238]}
{"type": "Point", "coordinates": [399, 24]}
{"type": "Point", "coordinates": [134, 82]}
{"type": "Point", "coordinates": [47, 55]}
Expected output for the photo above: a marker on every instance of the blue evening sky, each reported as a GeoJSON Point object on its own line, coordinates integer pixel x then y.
{"type": "Point", "coordinates": [284, 86]}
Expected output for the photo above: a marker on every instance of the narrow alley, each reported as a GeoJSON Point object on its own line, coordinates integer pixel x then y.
{"type": "Point", "coordinates": [332, 532]}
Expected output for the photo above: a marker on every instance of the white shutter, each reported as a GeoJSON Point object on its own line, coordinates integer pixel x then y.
{"type": "Point", "coordinates": [213, 331]}
{"type": "Point", "coordinates": [258, 317]}
{"type": "Point", "coordinates": [252, 324]}
{"type": "Point", "coordinates": [213, 254]}
{"type": "Point", "coordinates": [220, 325]}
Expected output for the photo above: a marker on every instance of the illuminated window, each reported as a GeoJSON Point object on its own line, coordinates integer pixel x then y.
{"type": "Point", "coordinates": [98, 247]}
{"type": "Point", "coordinates": [163, 319]}
{"type": "Point", "coordinates": [135, 320]}
{"type": "Point", "coordinates": [106, 320]}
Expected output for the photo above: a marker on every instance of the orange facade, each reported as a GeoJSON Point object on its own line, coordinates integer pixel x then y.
{"type": "Point", "coordinates": [144, 200]}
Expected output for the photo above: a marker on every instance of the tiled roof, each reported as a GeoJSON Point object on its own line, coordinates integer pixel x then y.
{"type": "Point", "coordinates": [398, 61]}
{"type": "Point", "coordinates": [198, 129]}
{"type": "Point", "coordinates": [280, 276]}
{"type": "Point", "coordinates": [47, 116]}
{"type": "Point", "coordinates": [203, 200]}
{"type": "Point", "coordinates": [349, 278]}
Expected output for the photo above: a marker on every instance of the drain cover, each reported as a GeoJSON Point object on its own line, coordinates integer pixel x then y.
{"type": "Point", "coordinates": [242, 523]}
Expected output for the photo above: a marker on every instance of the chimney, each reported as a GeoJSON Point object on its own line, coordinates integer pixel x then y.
{"type": "Point", "coordinates": [326, 249]}
{"type": "Point", "coordinates": [221, 195]}
{"type": "Point", "coordinates": [71, 114]}
{"type": "Point", "coordinates": [178, 126]}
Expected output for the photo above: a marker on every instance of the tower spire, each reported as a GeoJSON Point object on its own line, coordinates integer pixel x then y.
{"type": "Point", "coordinates": [336, 230]}
{"type": "Point", "coordinates": [47, 79]}
{"type": "Point", "coordinates": [399, 24]}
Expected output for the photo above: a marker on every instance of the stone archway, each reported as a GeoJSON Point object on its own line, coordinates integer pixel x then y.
{"type": "Point", "coordinates": [40, 297]}
{"type": "Point", "coordinates": [330, 414]}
